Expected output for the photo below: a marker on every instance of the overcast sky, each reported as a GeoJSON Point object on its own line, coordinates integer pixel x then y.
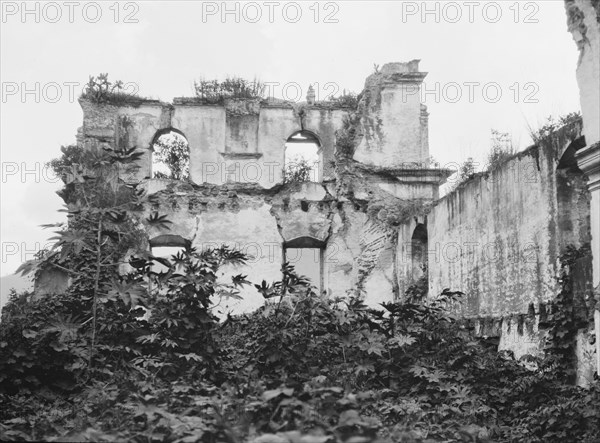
{"type": "Point", "coordinates": [504, 65]}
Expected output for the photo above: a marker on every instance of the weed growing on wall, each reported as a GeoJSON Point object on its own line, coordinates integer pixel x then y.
{"type": "Point", "coordinates": [345, 138]}
{"type": "Point", "coordinates": [215, 92]}
{"type": "Point", "coordinates": [99, 89]}
{"type": "Point", "coordinates": [346, 100]}
{"type": "Point", "coordinates": [552, 125]}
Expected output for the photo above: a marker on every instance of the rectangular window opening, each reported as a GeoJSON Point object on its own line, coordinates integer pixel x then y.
{"type": "Point", "coordinates": [307, 262]}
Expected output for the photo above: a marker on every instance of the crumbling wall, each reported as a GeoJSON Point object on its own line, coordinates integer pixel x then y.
{"type": "Point", "coordinates": [240, 141]}
{"type": "Point", "coordinates": [211, 216]}
{"type": "Point", "coordinates": [393, 120]}
{"type": "Point", "coordinates": [358, 254]}
{"type": "Point", "coordinates": [490, 239]}
{"type": "Point", "coordinates": [370, 190]}
{"type": "Point", "coordinates": [106, 124]}
{"type": "Point", "coordinates": [499, 236]}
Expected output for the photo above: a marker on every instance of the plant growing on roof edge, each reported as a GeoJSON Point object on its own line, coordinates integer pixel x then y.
{"type": "Point", "coordinates": [216, 92]}
{"type": "Point", "coordinates": [99, 89]}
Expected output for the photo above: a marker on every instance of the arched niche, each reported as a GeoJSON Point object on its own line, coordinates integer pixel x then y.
{"type": "Point", "coordinates": [418, 251]}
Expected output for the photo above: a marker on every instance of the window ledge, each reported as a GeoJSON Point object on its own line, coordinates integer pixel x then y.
{"type": "Point", "coordinates": [241, 155]}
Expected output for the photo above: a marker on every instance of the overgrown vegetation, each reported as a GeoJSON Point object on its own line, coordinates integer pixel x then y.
{"type": "Point", "coordinates": [466, 171]}
{"type": "Point", "coordinates": [305, 368]}
{"type": "Point", "coordinates": [299, 170]}
{"type": "Point", "coordinates": [551, 125]}
{"type": "Point", "coordinates": [345, 138]}
{"type": "Point", "coordinates": [566, 318]}
{"type": "Point", "coordinates": [138, 355]}
{"type": "Point", "coordinates": [215, 91]}
{"type": "Point", "coordinates": [101, 90]}
{"type": "Point", "coordinates": [501, 150]}
{"type": "Point", "coordinates": [346, 99]}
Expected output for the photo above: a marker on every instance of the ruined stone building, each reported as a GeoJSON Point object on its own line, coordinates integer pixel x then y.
{"type": "Point", "coordinates": [371, 219]}
{"type": "Point", "coordinates": [350, 228]}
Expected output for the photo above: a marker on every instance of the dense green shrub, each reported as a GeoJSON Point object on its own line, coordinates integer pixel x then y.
{"type": "Point", "coordinates": [40, 343]}
{"type": "Point", "coordinates": [328, 370]}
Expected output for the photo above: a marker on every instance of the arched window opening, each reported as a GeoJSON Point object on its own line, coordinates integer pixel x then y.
{"type": "Point", "coordinates": [170, 155]}
{"type": "Point", "coordinates": [567, 160]}
{"type": "Point", "coordinates": [303, 158]}
{"type": "Point", "coordinates": [305, 254]}
{"type": "Point", "coordinates": [418, 249]}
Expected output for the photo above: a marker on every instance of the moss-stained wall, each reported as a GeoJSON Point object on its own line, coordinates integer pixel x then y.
{"type": "Point", "coordinates": [498, 237]}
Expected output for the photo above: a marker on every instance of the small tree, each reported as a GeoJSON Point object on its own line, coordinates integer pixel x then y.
{"type": "Point", "coordinates": [298, 171]}
{"type": "Point", "coordinates": [172, 150]}
{"type": "Point", "coordinates": [96, 326]}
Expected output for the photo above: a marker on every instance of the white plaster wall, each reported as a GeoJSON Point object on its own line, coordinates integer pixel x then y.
{"type": "Point", "coordinates": [494, 239]}
{"type": "Point", "coordinates": [275, 126]}
{"type": "Point", "coordinates": [204, 128]}
{"type": "Point", "coordinates": [588, 72]}
{"type": "Point", "coordinates": [393, 136]}
{"type": "Point", "coordinates": [324, 123]}
{"type": "Point", "coordinates": [146, 121]}
{"type": "Point", "coordinates": [252, 231]}
{"type": "Point", "coordinates": [342, 249]}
